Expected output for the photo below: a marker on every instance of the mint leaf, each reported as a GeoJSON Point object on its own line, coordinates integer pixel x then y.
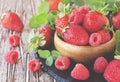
{"type": "Point", "coordinates": [44, 7]}
{"type": "Point", "coordinates": [38, 20]}
{"type": "Point", "coordinates": [49, 61]}
{"type": "Point", "coordinates": [55, 54]}
{"type": "Point", "coordinates": [44, 53]}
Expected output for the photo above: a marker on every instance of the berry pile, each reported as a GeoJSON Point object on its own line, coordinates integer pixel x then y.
{"type": "Point", "coordinates": [83, 27]}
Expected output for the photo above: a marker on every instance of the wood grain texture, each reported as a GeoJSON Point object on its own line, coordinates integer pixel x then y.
{"type": "Point", "coordinates": [19, 72]}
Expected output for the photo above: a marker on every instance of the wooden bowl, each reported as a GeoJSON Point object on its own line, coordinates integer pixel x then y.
{"type": "Point", "coordinates": [84, 54]}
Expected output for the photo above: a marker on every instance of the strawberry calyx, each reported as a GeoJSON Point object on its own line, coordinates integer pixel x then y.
{"type": "Point", "coordinates": [35, 40]}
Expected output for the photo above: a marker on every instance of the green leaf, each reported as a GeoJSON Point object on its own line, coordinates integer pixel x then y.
{"type": "Point", "coordinates": [79, 2]}
{"type": "Point", "coordinates": [118, 40]}
{"type": "Point", "coordinates": [55, 54]}
{"type": "Point", "coordinates": [66, 1]}
{"type": "Point", "coordinates": [49, 61]}
{"type": "Point", "coordinates": [38, 20]}
{"type": "Point", "coordinates": [44, 7]}
{"type": "Point", "coordinates": [44, 53]}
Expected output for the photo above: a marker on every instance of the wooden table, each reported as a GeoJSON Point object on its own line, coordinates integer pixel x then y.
{"type": "Point", "coordinates": [19, 72]}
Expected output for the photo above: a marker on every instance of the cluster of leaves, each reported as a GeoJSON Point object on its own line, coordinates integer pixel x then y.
{"type": "Point", "coordinates": [49, 56]}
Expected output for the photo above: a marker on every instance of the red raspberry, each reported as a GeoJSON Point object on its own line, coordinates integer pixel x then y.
{"type": "Point", "coordinates": [95, 39]}
{"type": "Point", "coordinates": [105, 35]}
{"type": "Point", "coordinates": [93, 21]}
{"type": "Point", "coordinates": [112, 71]}
{"type": "Point", "coordinates": [76, 35]}
{"type": "Point", "coordinates": [100, 64]}
{"type": "Point", "coordinates": [34, 65]}
{"type": "Point", "coordinates": [62, 63]}
{"type": "Point", "coordinates": [14, 40]}
{"type": "Point", "coordinates": [99, 37]}
{"type": "Point", "coordinates": [80, 72]}
{"type": "Point", "coordinates": [77, 15]}
{"type": "Point", "coordinates": [11, 57]}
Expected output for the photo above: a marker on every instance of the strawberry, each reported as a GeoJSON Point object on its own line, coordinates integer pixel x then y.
{"type": "Point", "coordinates": [76, 35]}
{"type": "Point", "coordinates": [116, 20]}
{"type": "Point", "coordinates": [40, 38]}
{"type": "Point", "coordinates": [61, 24]}
{"type": "Point", "coordinates": [12, 21]}
{"type": "Point", "coordinates": [62, 63]}
{"type": "Point", "coordinates": [14, 40]}
{"type": "Point", "coordinates": [34, 65]}
{"type": "Point", "coordinates": [53, 5]}
{"type": "Point", "coordinates": [77, 15]}
{"type": "Point", "coordinates": [80, 72]}
{"type": "Point", "coordinates": [112, 71]}
{"type": "Point", "coordinates": [93, 21]}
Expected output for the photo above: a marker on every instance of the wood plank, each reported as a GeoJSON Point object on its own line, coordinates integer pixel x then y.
{"type": "Point", "coordinates": [19, 72]}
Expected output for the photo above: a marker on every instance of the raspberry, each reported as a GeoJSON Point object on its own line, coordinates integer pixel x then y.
{"type": "Point", "coordinates": [14, 40]}
{"type": "Point", "coordinates": [77, 15]}
{"type": "Point", "coordinates": [80, 72]}
{"type": "Point", "coordinates": [34, 65]}
{"type": "Point", "coordinates": [11, 57]}
{"type": "Point", "coordinates": [95, 39]}
{"type": "Point", "coordinates": [105, 35]}
{"type": "Point", "coordinates": [100, 64]}
{"type": "Point", "coordinates": [112, 71]}
{"type": "Point", "coordinates": [99, 37]}
{"type": "Point", "coordinates": [62, 63]}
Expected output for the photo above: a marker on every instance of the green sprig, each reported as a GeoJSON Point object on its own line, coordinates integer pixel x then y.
{"type": "Point", "coordinates": [49, 56]}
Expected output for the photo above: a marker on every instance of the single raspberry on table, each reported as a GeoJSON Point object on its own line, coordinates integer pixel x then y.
{"type": "Point", "coordinates": [112, 71]}
{"type": "Point", "coordinates": [12, 21]}
{"type": "Point", "coordinates": [14, 40]}
{"type": "Point", "coordinates": [62, 63]}
{"type": "Point", "coordinates": [34, 65]}
{"type": "Point", "coordinates": [100, 64]}
{"type": "Point", "coordinates": [11, 57]}
{"type": "Point", "coordinates": [80, 72]}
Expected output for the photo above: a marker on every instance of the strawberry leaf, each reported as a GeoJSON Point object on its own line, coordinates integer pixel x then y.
{"type": "Point", "coordinates": [66, 1]}
{"type": "Point", "coordinates": [55, 54]}
{"type": "Point", "coordinates": [38, 20]}
{"type": "Point", "coordinates": [78, 2]}
{"type": "Point", "coordinates": [44, 7]}
{"type": "Point", "coordinates": [44, 53]}
{"type": "Point", "coordinates": [49, 61]}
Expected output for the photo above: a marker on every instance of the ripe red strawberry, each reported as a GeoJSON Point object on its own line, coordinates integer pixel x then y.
{"type": "Point", "coordinates": [116, 20]}
{"type": "Point", "coordinates": [53, 4]}
{"type": "Point", "coordinates": [77, 15]}
{"type": "Point", "coordinates": [99, 37]}
{"type": "Point", "coordinates": [47, 34]}
{"type": "Point", "coordinates": [14, 40]}
{"type": "Point", "coordinates": [12, 21]}
{"type": "Point", "coordinates": [80, 72]}
{"type": "Point", "coordinates": [61, 24]}
{"type": "Point", "coordinates": [11, 57]}
{"type": "Point", "coordinates": [100, 64]}
{"type": "Point", "coordinates": [34, 65]}
{"type": "Point", "coordinates": [112, 71]}
{"type": "Point", "coordinates": [76, 35]}
{"type": "Point", "coordinates": [62, 63]}
{"type": "Point", "coordinates": [93, 21]}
